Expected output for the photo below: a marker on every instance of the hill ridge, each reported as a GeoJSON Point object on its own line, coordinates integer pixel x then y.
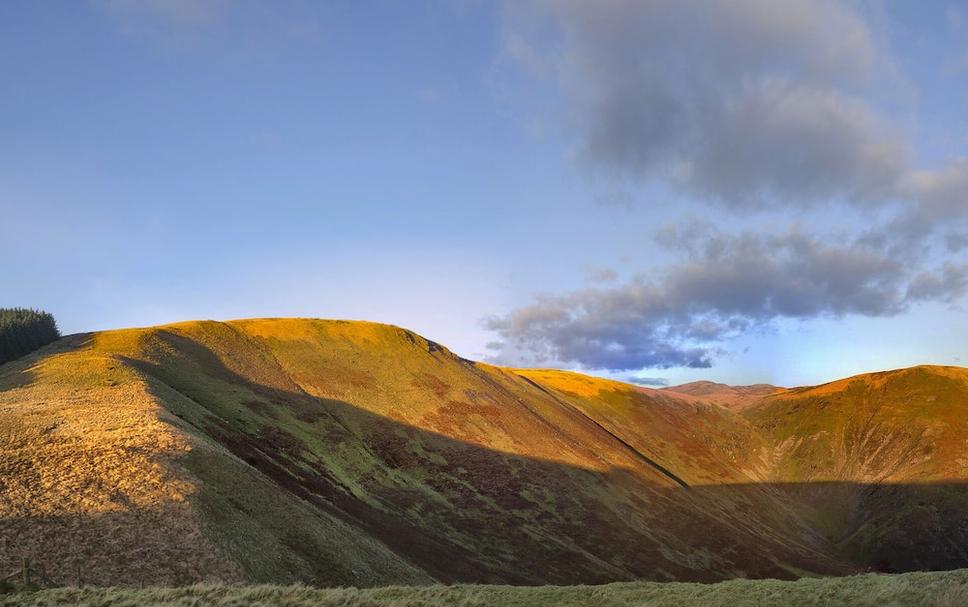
{"type": "Point", "coordinates": [359, 453]}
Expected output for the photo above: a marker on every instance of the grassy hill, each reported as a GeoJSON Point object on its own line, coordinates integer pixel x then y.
{"type": "Point", "coordinates": [879, 461]}
{"type": "Point", "coordinates": [734, 397]}
{"type": "Point", "coordinates": [351, 453]}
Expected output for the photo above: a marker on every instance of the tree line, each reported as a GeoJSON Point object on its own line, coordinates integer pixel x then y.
{"type": "Point", "coordinates": [23, 330]}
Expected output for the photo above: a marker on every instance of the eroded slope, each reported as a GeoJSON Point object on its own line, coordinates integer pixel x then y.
{"type": "Point", "coordinates": [879, 462]}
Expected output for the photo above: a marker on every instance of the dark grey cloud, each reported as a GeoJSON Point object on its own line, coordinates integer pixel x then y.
{"type": "Point", "coordinates": [748, 102]}
{"type": "Point", "coordinates": [723, 286]}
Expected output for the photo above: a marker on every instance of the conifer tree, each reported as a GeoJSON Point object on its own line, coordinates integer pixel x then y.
{"type": "Point", "coordinates": [23, 330]}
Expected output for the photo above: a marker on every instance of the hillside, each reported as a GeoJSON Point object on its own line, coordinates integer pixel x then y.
{"type": "Point", "coordinates": [880, 461]}
{"type": "Point", "coordinates": [351, 453]}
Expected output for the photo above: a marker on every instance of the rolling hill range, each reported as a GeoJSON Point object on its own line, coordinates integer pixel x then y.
{"type": "Point", "coordinates": [734, 397]}
{"type": "Point", "coordinates": [353, 453]}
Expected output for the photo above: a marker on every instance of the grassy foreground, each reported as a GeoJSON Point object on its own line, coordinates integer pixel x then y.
{"type": "Point", "coordinates": [935, 589]}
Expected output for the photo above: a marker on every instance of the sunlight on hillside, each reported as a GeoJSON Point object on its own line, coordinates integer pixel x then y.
{"type": "Point", "coordinates": [396, 461]}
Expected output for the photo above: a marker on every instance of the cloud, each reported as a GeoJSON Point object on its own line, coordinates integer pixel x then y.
{"type": "Point", "coordinates": [646, 381]}
{"type": "Point", "coordinates": [723, 286]}
{"type": "Point", "coordinates": [947, 285]}
{"type": "Point", "coordinates": [601, 275]}
{"type": "Point", "coordinates": [747, 104]}
{"type": "Point", "coordinates": [939, 199]}
{"type": "Point", "coordinates": [744, 102]}
{"type": "Point", "coordinates": [795, 143]}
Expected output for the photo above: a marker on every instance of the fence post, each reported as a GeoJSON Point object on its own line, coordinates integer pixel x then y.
{"type": "Point", "coordinates": [26, 571]}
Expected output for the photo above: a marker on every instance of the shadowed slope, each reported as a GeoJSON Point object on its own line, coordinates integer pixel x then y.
{"type": "Point", "coordinates": [877, 431]}
{"type": "Point", "coordinates": [339, 452]}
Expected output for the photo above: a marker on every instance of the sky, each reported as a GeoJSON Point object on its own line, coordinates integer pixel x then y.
{"type": "Point", "coordinates": [657, 191]}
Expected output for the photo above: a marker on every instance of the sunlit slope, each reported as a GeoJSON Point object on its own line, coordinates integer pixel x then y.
{"type": "Point", "coordinates": [903, 425]}
{"type": "Point", "coordinates": [880, 460]}
{"type": "Point", "coordinates": [359, 453]}
{"type": "Point", "coordinates": [100, 480]}
{"type": "Point", "coordinates": [469, 471]}
{"type": "Point", "coordinates": [85, 452]}
{"type": "Point", "coordinates": [695, 443]}
{"type": "Point", "coordinates": [409, 461]}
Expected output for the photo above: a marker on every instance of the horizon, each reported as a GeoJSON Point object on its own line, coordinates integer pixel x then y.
{"type": "Point", "coordinates": [337, 454]}
{"type": "Point", "coordinates": [618, 379]}
{"type": "Point", "coordinates": [657, 193]}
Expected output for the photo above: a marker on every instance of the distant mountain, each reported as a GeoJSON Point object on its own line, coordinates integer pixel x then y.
{"type": "Point", "coordinates": [734, 397]}
{"type": "Point", "coordinates": [353, 453]}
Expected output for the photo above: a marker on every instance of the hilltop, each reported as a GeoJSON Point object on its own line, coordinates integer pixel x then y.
{"type": "Point", "coordinates": [354, 453]}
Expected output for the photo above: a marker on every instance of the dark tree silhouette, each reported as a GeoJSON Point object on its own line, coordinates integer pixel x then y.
{"type": "Point", "coordinates": [23, 330]}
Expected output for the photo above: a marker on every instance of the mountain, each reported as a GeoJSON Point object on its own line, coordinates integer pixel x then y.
{"type": "Point", "coordinates": [354, 453]}
{"type": "Point", "coordinates": [734, 397]}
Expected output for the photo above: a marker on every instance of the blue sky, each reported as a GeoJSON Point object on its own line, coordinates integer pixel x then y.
{"type": "Point", "coordinates": [741, 191]}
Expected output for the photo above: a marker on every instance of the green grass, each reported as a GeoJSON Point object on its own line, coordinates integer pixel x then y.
{"type": "Point", "coordinates": [936, 589]}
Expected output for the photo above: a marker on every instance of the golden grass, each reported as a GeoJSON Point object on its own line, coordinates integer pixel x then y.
{"type": "Point", "coordinates": [578, 384]}
{"type": "Point", "coordinates": [88, 473]}
{"type": "Point", "coordinates": [106, 474]}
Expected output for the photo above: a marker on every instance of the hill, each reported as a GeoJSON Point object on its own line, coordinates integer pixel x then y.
{"type": "Point", "coordinates": [880, 462]}
{"type": "Point", "coordinates": [352, 453]}
{"type": "Point", "coordinates": [734, 397]}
